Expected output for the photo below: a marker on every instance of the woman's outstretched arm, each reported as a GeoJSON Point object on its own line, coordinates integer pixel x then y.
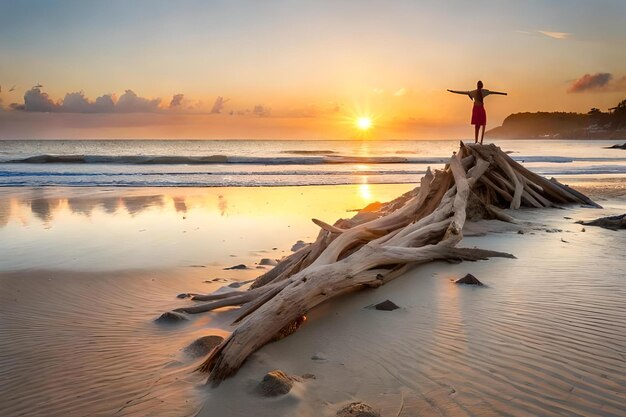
{"type": "Point", "coordinates": [459, 92]}
{"type": "Point", "coordinates": [497, 92]}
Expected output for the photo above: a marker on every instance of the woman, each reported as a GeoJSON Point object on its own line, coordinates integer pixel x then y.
{"type": "Point", "coordinates": [479, 116]}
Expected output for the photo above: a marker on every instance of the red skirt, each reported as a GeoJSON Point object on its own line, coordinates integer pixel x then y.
{"type": "Point", "coordinates": [479, 116]}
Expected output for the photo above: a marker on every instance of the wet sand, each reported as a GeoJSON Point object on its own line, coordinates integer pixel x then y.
{"type": "Point", "coordinates": [545, 337]}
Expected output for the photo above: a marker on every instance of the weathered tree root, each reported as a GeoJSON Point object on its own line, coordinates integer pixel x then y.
{"type": "Point", "coordinates": [371, 249]}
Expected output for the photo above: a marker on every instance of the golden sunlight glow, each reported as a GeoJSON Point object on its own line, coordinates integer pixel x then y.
{"type": "Point", "coordinates": [364, 123]}
{"type": "Point", "coordinates": [365, 190]}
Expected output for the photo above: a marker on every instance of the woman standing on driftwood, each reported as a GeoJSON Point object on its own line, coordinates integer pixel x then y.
{"type": "Point", "coordinates": [479, 116]}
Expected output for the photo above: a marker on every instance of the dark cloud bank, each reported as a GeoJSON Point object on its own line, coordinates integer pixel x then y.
{"type": "Point", "coordinates": [600, 81]}
{"type": "Point", "coordinates": [35, 100]}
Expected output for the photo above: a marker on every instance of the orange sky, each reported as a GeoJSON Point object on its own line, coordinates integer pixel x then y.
{"type": "Point", "coordinates": [300, 70]}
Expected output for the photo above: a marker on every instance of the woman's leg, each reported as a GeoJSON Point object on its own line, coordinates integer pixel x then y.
{"type": "Point", "coordinates": [476, 129]}
{"type": "Point", "coordinates": [483, 135]}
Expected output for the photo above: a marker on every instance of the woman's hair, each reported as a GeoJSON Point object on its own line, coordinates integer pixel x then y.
{"type": "Point", "coordinates": [479, 91]}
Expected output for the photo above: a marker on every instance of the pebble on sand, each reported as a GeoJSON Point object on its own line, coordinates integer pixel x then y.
{"type": "Point", "coordinates": [203, 345]}
{"type": "Point", "coordinates": [468, 279]}
{"type": "Point", "coordinates": [298, 245]}
{"type": "Point", "coordinates": [275, 383]}
{"type": "Point", "coordinates": [386, 305]}
{"type": "Point", "coordinates": [171, 317]}
{"type": "Point", "coordinates": [357, 409]}
{"type": "Point", "coordinates": [611, 222]}
{"type": "Point", "coordinates": [240, 266]}
{"type": "Point", "coordinates": [267, 261]}
{"type": "Point", "coordinates": [617, 146]}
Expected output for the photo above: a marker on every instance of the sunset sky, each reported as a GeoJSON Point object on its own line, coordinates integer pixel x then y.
{"type": "Point", "coordinates": [299, 69]}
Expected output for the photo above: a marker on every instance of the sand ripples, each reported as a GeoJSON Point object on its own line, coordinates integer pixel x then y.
{"type": "Point", "coordinates": [542, 339]}
{"type": "Point", "coordinates": [86, 345]}
{"type": "Point", "coordinates": [546, 337]}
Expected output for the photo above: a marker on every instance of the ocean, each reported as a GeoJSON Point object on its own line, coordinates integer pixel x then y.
{"type": "Point", "coordinates": [245, 163]}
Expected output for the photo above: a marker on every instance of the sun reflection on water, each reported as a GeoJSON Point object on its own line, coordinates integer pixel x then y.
{"type": "Point", "coordinates": [364, 190]}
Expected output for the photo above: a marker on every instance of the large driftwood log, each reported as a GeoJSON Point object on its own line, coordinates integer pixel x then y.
{"type": "Point", "coordinates": [371, 249]}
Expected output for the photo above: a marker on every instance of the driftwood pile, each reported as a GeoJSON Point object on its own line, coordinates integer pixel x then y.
{"type": "Point", "coordinates": [373, 248]}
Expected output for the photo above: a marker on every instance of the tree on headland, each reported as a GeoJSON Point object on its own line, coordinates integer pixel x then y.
{"type": "Point", "coordinates": [618, 115]}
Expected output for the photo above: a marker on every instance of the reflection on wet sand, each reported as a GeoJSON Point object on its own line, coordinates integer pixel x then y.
{"type": "Point", "coordinates": [43, 207]}
{"type": "Point", "coordinates": [46, 208]}
{"type": "Point", "coordinates": [222, 204]}
{"type": "Point", "coordinates": [180, 205]}
{"type": "Point", "coordinates": [46, 204]}
{"type": "Point", "coordinates": [133, 227]}
{"type": "Point", "coordinates": [136, 204]}
{"type": "Point", "coordinates": [5, 212]}
{"type": "Point", "coordinates": [82, 206]}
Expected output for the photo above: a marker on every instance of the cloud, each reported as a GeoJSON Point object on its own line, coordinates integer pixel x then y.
{"type": "Point", "coordinates": [218, 105]}
{"type": "Point", "coordinates": [403, 92]}
{"type": "Point", "coordinates": [555, 35]}
{"type": "Point", "coordinates": [177, 100]}
{"type": "Point", "coordinates": [78, 103]}
{"type": "Point", "coordinates": [550, 34]}
{"type": "Point", "coordinates": [261, 110]}
{"type": "Point", "coordinates": [105, 104]}
{"type": "Point", "coordinates": [130, 102]}
{"type": "Point", "coordinates": [598, 82]}
{"type": "Point", "coordinates": [35, 100]}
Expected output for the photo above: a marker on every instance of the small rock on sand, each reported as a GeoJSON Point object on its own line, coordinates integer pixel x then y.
{"type": "Point", "coordinates": [617, 146]}
{"type": "Point", "coordinates": [267, 261]}
{"type": "Point", "coordinates": [236, 284]}
{"type": "Point", "coordinates": [386, 305]}
{"type": "Point", "coordinates": [308, 376]}
{"type": "Point", "coordinates": [298, 245]}
{"type": "Point", "coordinates": [611, 222]}
{"type": "Point", "coordinates": [203, 345]}
{"type": "Point", "coordinates": [171, 317]}
{"type": "Point", "coordinates": [216, 280]}
{"type": "Point", "coordinates": [240, 266]}
{"type": "Point", "coordinates": [183, 295]}
{"type": "Point", "coordinates": [468, 279]}
{"type": "Point", "coordinates": [319, 357]}
{"type": "Point", "coordinates": [357, 409]}
{"type": "Point", "coordinates": [275, 383]}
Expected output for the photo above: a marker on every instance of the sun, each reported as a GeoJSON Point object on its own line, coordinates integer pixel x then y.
{"type": "Point", "coordinates": [364, 123]}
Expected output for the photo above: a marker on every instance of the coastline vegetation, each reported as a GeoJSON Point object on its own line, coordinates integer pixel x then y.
{"type": "Point", "coordinates": [594, 124]}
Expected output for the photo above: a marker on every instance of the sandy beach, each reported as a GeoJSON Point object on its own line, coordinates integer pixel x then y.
{"type": "Point", "coordinates": [544, 337]}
